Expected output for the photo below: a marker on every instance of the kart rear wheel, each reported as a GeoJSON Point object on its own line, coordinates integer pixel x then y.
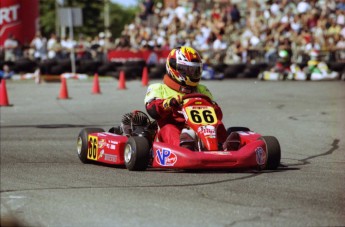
{"type": "Point", "coordinates": [82, 143]}
{"type": "Point", "coordinates": [137, 153]}
{"type": "Point", "coordinates": [273, 152]}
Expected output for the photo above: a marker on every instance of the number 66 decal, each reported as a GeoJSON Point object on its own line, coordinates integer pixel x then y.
{"type": "Point", "coordinates": [205, 115]}
{"type": "Point", "coordinates": [93, 148]}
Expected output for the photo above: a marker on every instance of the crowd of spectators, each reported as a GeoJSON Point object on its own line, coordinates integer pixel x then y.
{"type": "Point", "coordinates": [58, 48]}
{"type": "Point", "coordinates": [222, 31]}
{"type": "Point", "coordinates": [230, 33]}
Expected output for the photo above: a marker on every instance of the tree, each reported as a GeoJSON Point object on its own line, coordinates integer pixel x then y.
{"type": "Point", "coordinates": [119, 17]}
{"type": "Point", "coordinates": [93, 17]}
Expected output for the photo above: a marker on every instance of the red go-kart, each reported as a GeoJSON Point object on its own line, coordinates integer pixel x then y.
{"type": "Point", "coordinates": [134, 143]}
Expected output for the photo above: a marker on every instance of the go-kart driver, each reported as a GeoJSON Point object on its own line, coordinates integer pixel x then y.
{"type": "Point", "coordinates": [162, 101]}
{"type": "Point", "coordinates": [318, 69]}
{"type": "Point", "coordinates": [284, 62]}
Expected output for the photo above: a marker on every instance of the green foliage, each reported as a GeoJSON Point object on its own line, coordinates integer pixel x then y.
{"type": "Point", "coordinates": [119, 17]}
{"type": "Point", "coordinates": [93, 17]}
{"type": "Point", "coordinates": [47, 17]}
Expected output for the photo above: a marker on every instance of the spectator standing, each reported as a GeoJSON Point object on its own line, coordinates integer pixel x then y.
{"type": "Point", "coordinates": [148, 11]}
{"type": "Point", "coordinates": [312, 45]}
{"type": "Point", "coordinates": [340, 48]}
{"type": "Point", "coordinates": [218, 44]}
{"type": "Point", "coordinates": [67, 44]}
{"type": "Point", "coordinates": [50, 46]}
{"type": "Point", "coordinates": [303, 7]}
{"type": "Point", "coordinates": [235, 14]}
{"type": "Point", "coordinates": [340, 17]}
{"type": "Point", "coordinates": [10, 45]}
{"type": "Point", "coordinates": [82, 48]}
{"type": "Point", "coordinates": [39, 45]}
{"type": "Point", "coordinates": [341, 5]}
{"type": "Point", "coordinates": [57, 48]}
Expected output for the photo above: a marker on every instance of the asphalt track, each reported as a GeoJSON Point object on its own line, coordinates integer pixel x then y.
{"type": "Point", "coordinates": [43, 183]}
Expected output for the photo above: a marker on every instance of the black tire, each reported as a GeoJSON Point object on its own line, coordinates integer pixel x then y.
{"type": "Point", "coordinates": [82, 143]}
{"type": "Point", "coordinates": [157, 72]}
{"type": "Point", "coordinates": [336, 66]}
{"type": "Point", "coordinates": [231, 71]}
{"type": "Point", "coordinates": [89, 66]}
{"type": "Point", "coordinates": [24, 65]}
{"type": "Point", "coordinates": [46, 65]}
{"type": "Point", "coordinates": [236, 129]}
{"type": "Point", "coordinates": [137, 153]}
{"type": "Point", "coordinates": [136, 63]}
{"type": "Point", "coordinates": [251, 71]}
{"type": "Point", "coordinates": [273, 152]}
{"type": "Point", "coordinates": [108, 67]}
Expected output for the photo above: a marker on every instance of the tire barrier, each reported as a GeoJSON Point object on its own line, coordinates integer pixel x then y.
{"type": "Point", "coordinates": [133, 69]}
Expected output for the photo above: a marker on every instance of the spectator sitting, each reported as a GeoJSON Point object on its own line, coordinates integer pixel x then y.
{"type": "Point", "coordinates": [10, 45]}
{"type": "Point", "coordinates": [6, 73]}
{"type": "Point", "coordinates": [39, 46]}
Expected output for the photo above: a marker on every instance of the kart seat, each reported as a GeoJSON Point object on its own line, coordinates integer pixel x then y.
{"type": "Point", "coordinates": [232, 142]}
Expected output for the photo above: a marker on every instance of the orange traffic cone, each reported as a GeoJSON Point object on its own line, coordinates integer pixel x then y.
{"type": "Point", "coordinates": [63, 89]}
{"type": "Point", "coordinates": [3, 94]}
{"type": "Point", "coordinates": [96, 88]}
{"type": "Point", "coordinates": [122, 80]}
{"type": "Point", "coordinates": [145, 77]}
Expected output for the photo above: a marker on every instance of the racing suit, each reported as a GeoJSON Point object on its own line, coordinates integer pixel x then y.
{"type": "Point", "coordinates": [169, 120]}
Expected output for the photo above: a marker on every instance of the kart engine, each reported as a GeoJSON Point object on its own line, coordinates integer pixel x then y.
{"type": "Point", "coordinates": [138, 123]}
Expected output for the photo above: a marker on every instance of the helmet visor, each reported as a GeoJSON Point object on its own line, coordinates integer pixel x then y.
{"type": "Point", "coordinates": [193, 72]}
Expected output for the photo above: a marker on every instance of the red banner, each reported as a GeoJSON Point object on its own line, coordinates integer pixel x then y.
{"type": "Point", "coordinates": [20, 18]}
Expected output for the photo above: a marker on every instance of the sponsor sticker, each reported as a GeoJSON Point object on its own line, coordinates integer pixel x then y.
{"type": "Point", "coordinates": [260, 156]}
{"type": "Point", "coordinates": [110, 157]}
{"type": "Point", "coordinates": [208, 131]}
{"type": "Point", "coordinates": [101, 154]}
{"type": "Point", "coordinates": [112, 142]}
{"type": "Point", "coordinates": [165, 157]}
{"type": "Point", "coordinates": [102, 143]}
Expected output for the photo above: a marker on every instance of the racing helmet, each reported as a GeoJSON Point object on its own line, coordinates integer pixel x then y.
{"type": "Point", "coordinates": [284, 55]}
{"type": "Point", "coordinates": [184, 66]}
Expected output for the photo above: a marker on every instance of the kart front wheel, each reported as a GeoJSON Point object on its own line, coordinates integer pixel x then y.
{"type": "Point", "coordinates": [82, 143]}
{"type": "Point", "coordinates": [273, 152]}
{"type": "Point", "coordinates": [137, 153]}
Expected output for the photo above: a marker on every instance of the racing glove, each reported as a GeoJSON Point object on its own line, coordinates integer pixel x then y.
{"type": "Point", "coordinates": [172, 102]}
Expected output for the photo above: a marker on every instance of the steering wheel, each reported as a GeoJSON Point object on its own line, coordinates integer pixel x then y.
{"type": "Point", "coordinates": [197, 95]}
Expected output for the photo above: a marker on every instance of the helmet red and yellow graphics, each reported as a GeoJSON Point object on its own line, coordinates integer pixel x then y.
{"type": "Point", "coordinates": [184, 66]}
